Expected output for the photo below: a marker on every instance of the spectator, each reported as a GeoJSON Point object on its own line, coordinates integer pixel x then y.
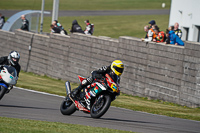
{"type": "Point", "coordinates": [2, 21]}
{"type": "Point", "coordinates": [171, 28]}
{"type": "Point", "coordinates": [177, 31]}
{"type": "Point", "coordinates": [54, 29]}
{"type": "Point", "coordinates": [167, 40]}
{"type": "Point", "coordinates": [25, 23]}
{"type": "Point", "coordinates": [146, 29]}
{"type": "Point", "coordinates": [58, 25]}
{"type": "Point", "coordinates": [160, 35]}
{"type": "Point", "coordinates": [150, 34]}
{"type": "Point", "coordinates": [76, 27]}
{"type": "Point", "coordinates": [174, 39]}
{"type": "Point", "coordinates": [152, 22]}
{"type": "Point", "coordinates": [89, 29]}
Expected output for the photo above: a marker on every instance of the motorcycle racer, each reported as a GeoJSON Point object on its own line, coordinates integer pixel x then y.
{"type": "Point", "coordinates": [12, 59]}
{"type": "Point", "coordinates": [116, 68]}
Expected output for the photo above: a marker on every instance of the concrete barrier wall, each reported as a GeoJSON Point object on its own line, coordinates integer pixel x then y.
{"type": "Point", "coordinates": [152, 70]}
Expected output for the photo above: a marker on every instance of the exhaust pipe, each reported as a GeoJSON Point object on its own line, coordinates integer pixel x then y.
{"type": "Point", "coordinates": [68, 87]}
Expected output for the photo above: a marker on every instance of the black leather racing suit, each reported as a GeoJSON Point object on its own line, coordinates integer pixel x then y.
{"type": "Point", "coordinates": [4, 61]}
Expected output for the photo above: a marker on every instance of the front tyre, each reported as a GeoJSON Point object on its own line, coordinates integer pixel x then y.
{"type": "Point", "coordinates": [100, 106]}
{"type": "Point", "coordinates": [3, 90]}
{"type": "Point", "coordinates": [67, 107]}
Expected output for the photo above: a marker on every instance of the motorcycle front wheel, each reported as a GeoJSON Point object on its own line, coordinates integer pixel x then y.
{"type": "Point", "coordinates": [67, 107]}
{"type": "Point", "coordinates": [100, 106]}
{"type": "Point", "coordinates": [3, 90]}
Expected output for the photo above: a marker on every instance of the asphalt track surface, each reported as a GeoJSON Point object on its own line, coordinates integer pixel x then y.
{"type": "Point", "coordinates": [23, 104]}
{"type": "Point", "coordinates": [8, 13]}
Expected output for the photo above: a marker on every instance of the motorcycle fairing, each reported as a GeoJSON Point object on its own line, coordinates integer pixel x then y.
{"type": "Point", "coordinates": [80, 107]}
{"type": "Point", "coordinates": [112, 84]}
{"type": "Point", "coordinates": [97, 89]}
{"type": "Point", "coordinates": [2, 84]}
{"type": "Point", "coordinates": [81, 78]}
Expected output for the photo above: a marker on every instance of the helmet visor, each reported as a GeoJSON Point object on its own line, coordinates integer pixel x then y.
{"type": "Point", "coordinates": [120, 70]}
{"type": "Point", "coordinates": [15, 60]}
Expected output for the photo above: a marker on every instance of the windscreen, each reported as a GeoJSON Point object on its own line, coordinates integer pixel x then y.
{"type": "Point", "coordinates": [11, 70]}
{"type": "Point", "coordinates": [114, 77]}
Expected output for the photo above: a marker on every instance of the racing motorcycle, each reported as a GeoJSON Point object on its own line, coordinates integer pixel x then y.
{"type": "Point", "coordinates": [95, 99]}
{"type": "Point", "coordinates": [8, 78]}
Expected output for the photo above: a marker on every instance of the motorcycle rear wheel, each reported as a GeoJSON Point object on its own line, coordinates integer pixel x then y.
{"type": "Point", "coordinates": [100, 106]}
{"type": "Point", "coordinates": [67, 107]}
{"type": "Point", "coordinates": [3, 90]}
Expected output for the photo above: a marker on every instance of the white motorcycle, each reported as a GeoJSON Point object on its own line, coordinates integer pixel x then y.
{"type": "Point", "coordinates": [8, 78]}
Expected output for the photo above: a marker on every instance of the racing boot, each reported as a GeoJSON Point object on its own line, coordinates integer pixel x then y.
{"type": "Point", "coordinates": [76, 91]}
{"type": "Point", "coordinates": [83, 84]}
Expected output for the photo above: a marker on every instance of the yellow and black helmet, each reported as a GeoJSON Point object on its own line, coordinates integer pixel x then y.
{"type": "Point", "coordinates": [117, 67]}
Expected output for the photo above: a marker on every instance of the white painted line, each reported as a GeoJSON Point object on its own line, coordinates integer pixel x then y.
{"type": "Point", "coordinates": [39, 92]}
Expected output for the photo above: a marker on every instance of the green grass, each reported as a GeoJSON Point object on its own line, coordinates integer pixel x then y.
{"type": "Point", "coordinates": [43, 83]}
{"type": "Point", "coordinates": [157, 107]}
{"type": "Point", "coordinates": [113, 26]}
{"type": "Point", "coordinates": [85, 4]}
{"type": "Point", "coordinates": [46, 84]}
{"type": "Point", "coordinates": [12, 125]}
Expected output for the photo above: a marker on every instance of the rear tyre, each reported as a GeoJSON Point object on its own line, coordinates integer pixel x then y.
{"type": "Point", "coordinates": [3, 90]}
{"type": "Point", "coordinates": [67, 107]}
{"type": "Point", "coordinates": [100, 106]}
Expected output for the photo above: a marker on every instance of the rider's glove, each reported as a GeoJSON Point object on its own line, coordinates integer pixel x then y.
{"type": "Point", "coordinates": [1, 67]}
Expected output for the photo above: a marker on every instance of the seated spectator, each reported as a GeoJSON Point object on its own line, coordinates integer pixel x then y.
{"type": "Point", "coordinates": [152, 22]}
{"type": "Point", "coordinates": [58, 25]}
{"type": "Point", "coordinates": [174, 39]}
{"type": "Point", "coordinates": [160, 35]}
{"type": "Point", "coordinates": [2, 20]}
{"type": "Point", "coordinates": [54, 29]}
{"type": "Point", "coordinates": [177, 31]}
{"type": "Point", "coordinates": [76, 27]}
{"type": "Point", "coordinates": [150, 35]}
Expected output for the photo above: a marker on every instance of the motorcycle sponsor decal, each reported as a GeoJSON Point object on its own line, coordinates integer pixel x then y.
{"type": "Point", "coordinates": [87, 95]}
{"type": "Point", "coordinates": [93, 93]}
{"type": "Point", "coordinates": [80, 107]}
{"type": "Point", "coordinates": [101, 86]}
{"type": "Point", "coordinates": [96, 89]}
{"type": "Point", "coordinates": [87, 102]}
